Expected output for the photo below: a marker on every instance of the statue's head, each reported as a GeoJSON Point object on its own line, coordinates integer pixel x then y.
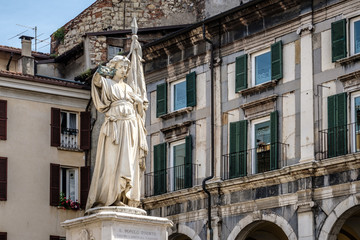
{"type": "Point", "coordinates": [121, 64]}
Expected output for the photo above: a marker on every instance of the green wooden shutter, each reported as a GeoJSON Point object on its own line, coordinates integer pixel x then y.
{"type": "Point", "coordinates": [337, 125]}
{"type": "Point", "coordinates": [188, 162]}
{"type": "Point", "coordinates": [331, 126]}
{"type": "Point", "coordinates": [342, 124]}
{"type": "Point", "coordinates": [274, 141]}
{"type": "Point", "coordinates": [241, 73]}
{"type": "Point", "coordinates": [338, 39]}
{"type": "Point", "coordinates": [160, 169]}
{"type": "Point", "coordinates": [161, 99]}
{"type": "Point", "coordinates": [191, 89]}
{"type": "Point", "coordinates": [276, 61]}
{"type": "Point", "coordinates": [238, 149]}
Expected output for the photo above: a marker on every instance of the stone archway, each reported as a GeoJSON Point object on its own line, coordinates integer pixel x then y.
{"type": "Point", "coordinates": [339, 222]}
{"type": "Point", "coordinates": [257, 221]}
{"type": "Point", "coordinates": [184, 233]}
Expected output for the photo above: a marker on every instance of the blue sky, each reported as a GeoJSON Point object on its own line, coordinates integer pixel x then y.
{"type": "Point", "coordinates": [47, 15]}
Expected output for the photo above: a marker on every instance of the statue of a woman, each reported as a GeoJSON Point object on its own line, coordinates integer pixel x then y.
{"type": "Point", "coordinates": [122, 146]}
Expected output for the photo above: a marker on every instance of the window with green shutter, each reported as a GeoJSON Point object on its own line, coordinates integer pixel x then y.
{"type": "Point", "coordinates": [161, 99]}
{"type": "Point", "coordinates": [338, 39]}
{"type": "Point", "coordinates": [241, 73]}
{"type": "Point", "coordinates": [191, 89]}
{"type": "Point", "coordinates": [160, 169]}
{"type": "Point", "coordinates": [337, 125]}
{"type": "Point", "coordinates": [276, 61]}
{"type": "Point", "coordinates": [238, 149]}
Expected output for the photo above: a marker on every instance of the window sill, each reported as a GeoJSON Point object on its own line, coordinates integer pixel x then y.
{"type": "Point", "coordinates": [348, 60]}
{"type": "Point", "coordinates": [177, 113]}
{"type": "Point", "coordinates": [63, 208]}
{"type": "Point", "coordinates": [70, 149]}
{"type": "Point", "coordinates": [258, 88]}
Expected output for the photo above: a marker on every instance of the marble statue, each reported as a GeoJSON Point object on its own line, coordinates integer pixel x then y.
{"type": "Point", "coordinates": [118, 90]}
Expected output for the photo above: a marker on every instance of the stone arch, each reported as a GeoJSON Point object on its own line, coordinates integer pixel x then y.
{"type": "Point", "coordinates": [336, 214]}
{"type": "Point", "coordinates": [257, 216]}
{"type": "Point", "coordinates": [185, 230]}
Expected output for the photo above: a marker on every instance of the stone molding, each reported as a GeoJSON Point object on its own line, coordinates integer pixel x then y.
{"type": "Point", "coordinates": [258, 88]}
{"type": "Point", "coordinates": [351, 81]}
{"type": "Point", "coordinates": [263, 106]}
{"type": "Point", "coordinates": [348, 60]}
{"type": "Point", "coordinates": [176, 132]}
{"type": "Point", "coordinates": [177, 113]}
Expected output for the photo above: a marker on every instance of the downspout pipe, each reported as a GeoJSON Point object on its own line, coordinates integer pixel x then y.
{"type": "Point", "coordinates": [212, 149]}
{"type": "Point", "coordinates": [8, 64]}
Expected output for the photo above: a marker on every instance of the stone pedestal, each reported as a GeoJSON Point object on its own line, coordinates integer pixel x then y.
{"type": "Point", "coordinates": [120, 223]}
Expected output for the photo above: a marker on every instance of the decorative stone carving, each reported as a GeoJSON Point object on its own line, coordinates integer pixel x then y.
{"type": "Point", "coordinates": [258, 108]}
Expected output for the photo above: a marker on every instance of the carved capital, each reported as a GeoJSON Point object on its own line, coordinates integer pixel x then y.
{"type": "Point", "coordinates": [306, 27]}
{"type": "Point", "coordinates": [305, 206]}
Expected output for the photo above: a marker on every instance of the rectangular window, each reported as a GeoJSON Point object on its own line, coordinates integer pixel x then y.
{"type": "Point", "coordinates": [261, 67]}
{"type": "Point", "coordinates": [355, 119]}
{"type": "Point", "coordinates": [262, 144]}
{"type": "Point", "coordinates": [3, 235]}
{"type": "Point", "coordinates": [69, 182]}
{"type": "Point", "coordinates": [178, 95]}
{"type": "Point", "coordinates": [113, 51]}
{"type": "Point", "coordinates": [355, 36]}
{"type": "Point", "coordinates": [3, 178]}
{"type": "Point", "coordinates": [177, 156]}
{"type": "Point", "coordinates": [3, 119]}
{"type": "Point", "coordinates": [69, 130]}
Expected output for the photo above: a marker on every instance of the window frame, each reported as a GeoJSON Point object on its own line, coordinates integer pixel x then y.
{"type": "Point", "coordinates": [120, 49]}
{"type": "Point", "coordinates": [77, 127]}
{"type": "Point", "coordinates": [172, 94]}
{"type": "Point", "coordinates": [253, 123]}
{"type": "Point", "coordinates": [351, 41]}
{"type": "Point", "coordinates": [172, 163]}
{"type": "Point", "coordinates": [77, 186]}
{"type": "Point", "coordinates": [353, 119]}
{"type": "Point", "coordinates": [253, 62]}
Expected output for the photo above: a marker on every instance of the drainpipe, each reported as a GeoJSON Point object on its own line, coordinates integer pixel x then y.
{"type": "Point", "coordinates": [8, 64]}
{"type": "Point", "coordinates": [212, 132]}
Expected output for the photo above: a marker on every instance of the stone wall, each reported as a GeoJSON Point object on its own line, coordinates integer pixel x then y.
{"type": "Point", "coordinates": [106, 15]}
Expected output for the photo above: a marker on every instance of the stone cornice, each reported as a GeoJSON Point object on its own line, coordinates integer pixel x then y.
{"type": "Point", "coordinates": [259, 102]}
{"type": "Point", "coordinates": [349, 76]}
{"type": "Point", "coordinates": [258, 88]}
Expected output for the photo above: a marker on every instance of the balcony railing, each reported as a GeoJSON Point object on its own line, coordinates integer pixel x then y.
{"type": "Point", "coordinates": [69, 138]}
{"type": "Point", "coordinates": [339, 140]}
{"type": "Point", "coordinates": [170, 179]}
{"type": "Point", "coordinates": [262, 159]}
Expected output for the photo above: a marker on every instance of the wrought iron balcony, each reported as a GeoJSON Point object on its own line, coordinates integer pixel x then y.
{"type": "Point", "coordinates": [262, 159]}
{"type": "Point", "coordinates": [339, 140]}
{"type": "Point", "coordinates": [69, 138]}
{"type": "Point", "coordinates": [170, 179]}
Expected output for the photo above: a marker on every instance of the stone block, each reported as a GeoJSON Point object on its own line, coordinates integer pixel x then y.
{"type": "Point", "coordinates": [110, 223]}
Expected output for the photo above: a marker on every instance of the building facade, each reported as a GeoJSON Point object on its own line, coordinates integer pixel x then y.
{"type": "Point", "coordinates": [44, 135]}
{"type": "Point", "coordinates": [276, 143]}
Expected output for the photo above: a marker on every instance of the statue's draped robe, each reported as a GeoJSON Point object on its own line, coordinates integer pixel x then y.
{"type": "Point", "coordinates": [116, 174]}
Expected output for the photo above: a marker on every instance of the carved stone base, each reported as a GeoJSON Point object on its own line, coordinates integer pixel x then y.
{"type": "Point", "coordinates": [110, 223]}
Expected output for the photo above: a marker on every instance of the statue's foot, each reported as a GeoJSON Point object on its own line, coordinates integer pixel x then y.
{"type": "Point", "coordinates": [118, 203]}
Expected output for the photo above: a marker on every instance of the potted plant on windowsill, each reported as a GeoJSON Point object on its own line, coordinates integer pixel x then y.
{"type": "Point", "coordinates": [67, 203]}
